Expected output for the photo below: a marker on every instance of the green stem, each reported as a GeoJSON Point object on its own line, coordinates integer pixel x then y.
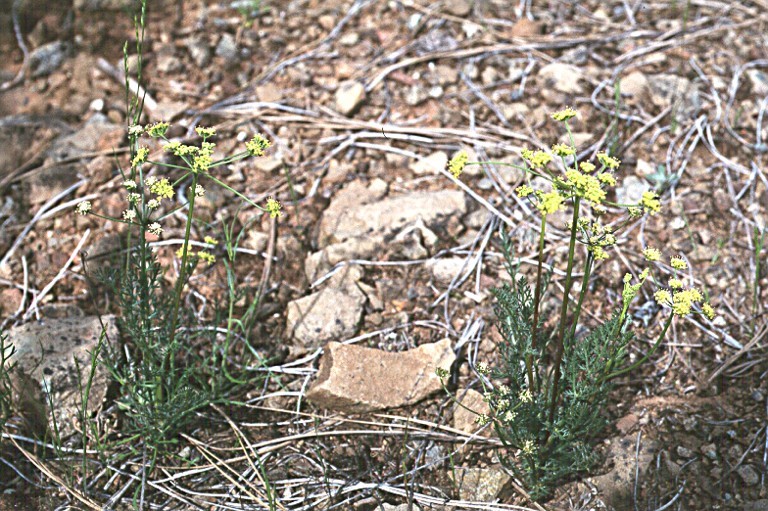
{"type": "Point", "coordinates": [564, 312]}
{"type": "Point", "coordinates": [183, 271]}
{"type": "Point", "coordinates": [582, 293]}
{"type": "Point", "coordinates": [645, 357]}
{"type": "Point", "coordinates": [536, 300]}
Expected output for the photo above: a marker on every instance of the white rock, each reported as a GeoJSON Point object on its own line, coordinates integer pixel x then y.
{"type": "Point", "coordinates": [430, 165]}
{"type": "Point", "coordinates": [349, 96]}
{"type": "Point", "coordinates": [357, 379]}
{"type": "Point", "coordinates": [562, 77]}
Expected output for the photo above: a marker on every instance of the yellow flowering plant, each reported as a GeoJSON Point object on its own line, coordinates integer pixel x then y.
{"type": "Point", "coordinates": [549, 388]}
{"type": "Point", "coordinates": [162, 382]}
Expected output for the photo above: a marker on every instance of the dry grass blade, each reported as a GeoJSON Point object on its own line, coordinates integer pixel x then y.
{"type": "Point", "coordinates": [49, 473]}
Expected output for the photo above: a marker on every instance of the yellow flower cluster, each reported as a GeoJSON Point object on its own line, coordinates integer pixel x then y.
{"type": "Point", "coordinates": [681, 299]}
{"type": "Point", "coordinates": [257, 145]}
{"type": "Point", "coordinates": [564, 115]}
{"type": "Point", "coordinates": [274, 207]}
{"type": "Point", "coordinates": [583, 185]}
{"type": "Point", "coordinates": [140, 157]}
{"type": "Point", "coordinates": [600, 238]}
{"type": "Point", "coordinates": [457, 163]}
{"type": "Point", "coordinates": [537, 159]}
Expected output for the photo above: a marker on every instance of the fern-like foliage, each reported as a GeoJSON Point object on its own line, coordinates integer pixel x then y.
{"type": "Point", "coordinates": [541, 449]}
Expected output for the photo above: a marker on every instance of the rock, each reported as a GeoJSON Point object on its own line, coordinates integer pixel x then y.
{"type": "Point", "coordinates": [631, 190]}
{"type": "Point", "coordinates": [268, 164]}
{"type": "Point", "coordinates": [562, 77]}
{"type": "Point", "coordinates": [435, 92]}
{"type": "Point", "coordinates": [47, 58]}
{"type": "Point", "coordinates": [758, 79]}
{"type": "Point", "coordinates": [748, 475]}
{"type": "Point", "coordinates": [446, 75]}
{"type": "Point", "coordinates": [460, 8]}
{"type": "Point", "coordinates": [356, 379]}
{"type": "Point", "coordinates": [463, 419]}
{"type": "Point", "coordinates": [684, 452]}
{"type": "Point", "coordinates": [167, 61]}
{"type": "Point", "coordinates": [44, 358]}
{"type": "Point", "coordinates": [525, 28]}
{"type": "Point", "coordinates": [479, 484]}
{"type": "Point", "coordinates": [634, 87]}
{"type": "Point", "coordinates": [617, 485]}
{"type": "Point", "coordinates": [330, 314]}
{"type": "Point", "coordinates": [268, 93]}
{"type": "Point", "coordinates": [255, 240]}
{"type": "Point", "coordinates": [430, 165]}
{"type": "Point", "coordinates": [677, 91]}
{"type": "Point", "coordinates": [349, 39]}
{"type": "Point", "coordinates": [415, 241]}
{"type": "Point", "coordinates": [97, 5]}
{"type": "Point", "coordinates": [198, 49]}
{"type": "Point", "coordinates": [710, 451]}
{"type": "Point", "coordinates": [444, 270]}
{"type": "Point", "coordinates": [344, 219]}
{"type": "Point", "coordinates": [627, 423]}
{"type": "Point", "coordinates": [415, 96]}
{"type": "Point", "coordinates": [349, 97]}
{"type": "Point", "coordinates": [227, 48]}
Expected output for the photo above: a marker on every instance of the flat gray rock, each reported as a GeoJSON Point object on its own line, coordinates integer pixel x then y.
{"type": "Point", "coordinates": [356, 379]}
{"type": "Point", "coordinates": [44, 358]}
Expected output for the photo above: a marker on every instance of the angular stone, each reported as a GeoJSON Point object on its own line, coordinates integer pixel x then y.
{"type": "Point", "coordinates": [349, 96]}
{"type": "Point", "coordinates": [562, 77]}
{"type": "Point", "coordinates": [458, 7]}
{"type": "Point", "coordinates": [617, 484]}
{"type": "Point", "coordinates": [44, 358]}
{"type": "Point", "coordinates": [634, 87]}
{"type": "Point", "coordinates": [480, 484]}
{"type": "Point", "coordinates": [356, 379]}
{"type": "Point", "coordinates": [330, 314]}
{"type": "Point", "coordinates": [472, 404]}
{"type": "Point", "coordinates": [430, 165]}
{"type": "Point", "coordinates": [343, 221]}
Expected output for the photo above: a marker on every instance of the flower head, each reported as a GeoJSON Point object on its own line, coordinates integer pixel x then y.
{"type": "Point", "coordinates": [587, 167]}
{"type": "Point", "coordinates": [134, 130]}
{"type": "Point", "coordinates": [158, 129]}
{"type": "Point", "coordinates": [650, 202]}
{"type": "Point", "coordinates": [153, 203]}
{"type": "Point", "coordinates": [563, 150]}
{"type": "Point", "coordinates": [663, 297]}
{"type": "Point", "coordinates": [274, 207]}
{"type": "Point", "coordinates": [523, 191]}
{"type": "Point", "coordinates": [141, 156]}
{"type": "Point", "coordinates": [206, 256]}
{"type": "Point", "coordinates": [651, 254]}
{"type": "Point", "coordinates": [525, 396]}
{"type": "Point", "coordinates": [129, 184]}
{"type": "Point", "coordinates": [457, 163]}
{"type": "Point", "coordinates": [83, 208]}
{"type": "Point", "coordinates": [205, 132]}
{"type": "Point", "coordinates": [708, 311]}
{"type": "Point", "coordinates": [550, 202]}
{"type": "Point", "coordinates": [564, 115]}
{"type": "Point", "coordinates": [199, 191]}
{"type": "Point", "coordinates": [162, 189]}
{"type": "Point", "coordinates": [537, 159]}
{"type": "Point", "coordinates": [155, 228]}
{"type": "Point", "coordinates": [482, 368]}
{"type": "Point", "coordinates": [257, 145]}
{"type": "Point", "coordinates": [608, 161]}
{"type": "Point", "coordinates": [678, 263]}
{"type": "Point", "coordinates": [210, 241]}
{"type": "Point", "coordinates": [129, 215]}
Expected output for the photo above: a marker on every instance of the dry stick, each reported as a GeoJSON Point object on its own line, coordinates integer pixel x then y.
{"type": "Point", "coordinates": [22, 46]}
{"type": "Point", "coordinates": [58, 277]}
{"type": "Point", "coordinates": [733, 358]}
{"type": "Point", "coordinates": [48, 472]}
{"type": "Point", "coordinates": [667, 45]}
{"type": "Point", "coordinates": [43, 209]}
{"type": "Point", "coordinates": [137, 90]}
